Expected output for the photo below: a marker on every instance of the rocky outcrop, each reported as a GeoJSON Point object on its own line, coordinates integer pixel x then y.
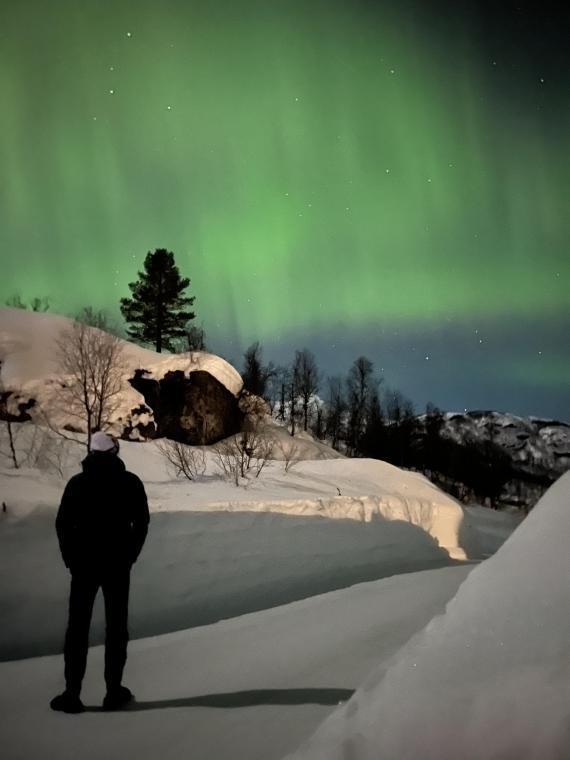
{"type": "Point", "coordinates": [193, 407]}
{"type": "Point", "coordinates": [15, 408]}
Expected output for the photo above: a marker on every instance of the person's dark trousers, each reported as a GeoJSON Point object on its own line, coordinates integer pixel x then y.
{"type": "Point", "coordinates": [84, 586]}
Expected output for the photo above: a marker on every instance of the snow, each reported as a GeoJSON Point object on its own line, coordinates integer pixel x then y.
{"type": "Point", "coordinates": [216, 550]}
{"type": "Point", "coordinates": [223, 672]}
{"type": "Point", "coordinates": [28, 353]}
{"type": "Point", "coordinates": [488, 679]}
{"type": "Point", "coordinates": [250, 688]}
{"type": "Point", "coordinates": [194, 361]}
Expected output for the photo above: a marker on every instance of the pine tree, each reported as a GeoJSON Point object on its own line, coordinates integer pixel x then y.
{"type": "Point", "coordinates": [157, 310]}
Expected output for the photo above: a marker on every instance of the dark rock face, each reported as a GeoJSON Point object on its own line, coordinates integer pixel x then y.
{"type": "Point", "coordinates": [196, 409]}
{"type": "Point", "coordinates": [135, 429]}
{"type": "Point", "coordinates": [23, 406]}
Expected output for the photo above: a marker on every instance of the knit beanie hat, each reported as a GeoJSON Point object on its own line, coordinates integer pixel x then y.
{"type": "Point", "coordinates": [102, 442]}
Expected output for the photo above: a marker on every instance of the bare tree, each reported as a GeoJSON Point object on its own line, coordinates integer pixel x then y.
{"type": "Point", "coordinates": [278, 391]}
{"type": "Point", "coordinates": [93, 318]}
{"type": "Point", "coordinates": [255, 446]}
{"type": "Point", "coordinates": [336, 410]}
{"type": "Point", "coordinates": [92, 362]}
{"type": "Point", "coordinates": [4, 395]}
{"type": "Point", "coordinates": [291, 454]}
{"type": "Point", "coordinates": [195, 338]}
{"type": "Point", "coordinates": [40, 304]}
{"type": "Point", "coordinates": [47, 451]}
{"type": "Point", "coordinates": [36, 303]}
{"type": "Point", "coordinates": [359, 383]}
{"type": "Point", "coordinates": [185, 460]}
{"type": "Point", "coordinates": [248, 452]}
{"type": "Point", "coordinates": [15, 301]}
{"type": "Point", "coordinates": [305, 368]}
{"type": "Point", "coordinates": [229, 457]}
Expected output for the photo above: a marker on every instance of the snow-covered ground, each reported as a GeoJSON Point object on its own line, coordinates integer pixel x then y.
{"type": "Point", "coordinates": [250, 685]}
{"type": "Point", "coordinates": [215, 550]}
{"type": "Point", "coordinates": [251, 688]}
{"type": "Point", "coordinates": [490, 678]}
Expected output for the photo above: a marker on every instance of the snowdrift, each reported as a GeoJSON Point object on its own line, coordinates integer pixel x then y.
{"type": "Point", "coordinates": [215, 551]}
{"type": "Point", "coordinates": [490, 678]}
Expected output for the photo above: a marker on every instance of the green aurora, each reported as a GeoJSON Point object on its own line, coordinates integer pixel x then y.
{"type": "Point", "coordinates": [309, 164]}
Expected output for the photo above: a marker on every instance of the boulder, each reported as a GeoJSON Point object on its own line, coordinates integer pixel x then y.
{"type": "Point", "coordinates": [192, 407]}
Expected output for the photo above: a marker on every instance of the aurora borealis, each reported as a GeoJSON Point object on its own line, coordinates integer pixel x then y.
{"type": "Point", "coordinates": [386, 178]}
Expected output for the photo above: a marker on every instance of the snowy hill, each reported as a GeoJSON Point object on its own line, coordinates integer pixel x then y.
{"type": "Point", "coordinates": [34, 381]}
{"type": "Point", "coordinates": [29, 353]}
{"type": "Point", "coordinates": [488, 679]}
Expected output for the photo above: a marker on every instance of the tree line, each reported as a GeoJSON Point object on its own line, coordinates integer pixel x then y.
{"type": "Point", "coordinates": [360, 416]}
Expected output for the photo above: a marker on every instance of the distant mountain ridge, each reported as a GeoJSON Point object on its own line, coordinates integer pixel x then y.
{"type": "Point", "coordinates": [533, 444]}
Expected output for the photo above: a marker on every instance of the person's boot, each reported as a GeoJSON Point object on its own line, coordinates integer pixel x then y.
{"type": "Point", "coordinates": [67, 702]}
{"type": "Point", "coordinates": [117, 697]}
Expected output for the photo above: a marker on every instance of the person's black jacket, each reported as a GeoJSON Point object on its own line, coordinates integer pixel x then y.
{"type": "Point", "coordinates": [103, 517]}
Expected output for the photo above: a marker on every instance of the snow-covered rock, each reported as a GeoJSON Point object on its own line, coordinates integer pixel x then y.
{"type": "Point", "coordinates": [197, 391]}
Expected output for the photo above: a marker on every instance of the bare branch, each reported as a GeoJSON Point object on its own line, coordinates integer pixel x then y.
{"type": "Point", "coordinates": [184, 460]}
{"type": "Point", "coordinates": [92, 362]}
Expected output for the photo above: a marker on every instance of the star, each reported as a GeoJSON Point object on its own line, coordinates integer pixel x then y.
{"type": "Point", "coordinates": [169, 108]}
{"type": "Point", "coordinates": [129, 34]}
{"type": "Point", "coordinates": [111, 92]}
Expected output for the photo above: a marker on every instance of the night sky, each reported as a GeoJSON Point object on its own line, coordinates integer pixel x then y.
{"type": "Point", "coordinates": [379, 178]}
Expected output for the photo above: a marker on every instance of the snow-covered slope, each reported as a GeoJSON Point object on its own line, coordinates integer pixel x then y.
{"type": "Point", "coordinates": [490, 678]}
{"type": "Point", "coordinates": [28, 354]}
{"type": "Point", "coordinates": [28, 351]}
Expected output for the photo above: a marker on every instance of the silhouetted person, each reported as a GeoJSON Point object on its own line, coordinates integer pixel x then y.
{"type": "Point", "coordinates": [101, 526]}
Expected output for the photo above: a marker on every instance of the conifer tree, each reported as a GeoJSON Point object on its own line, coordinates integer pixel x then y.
{"type": "Point", "coordinates": [157, 311]}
